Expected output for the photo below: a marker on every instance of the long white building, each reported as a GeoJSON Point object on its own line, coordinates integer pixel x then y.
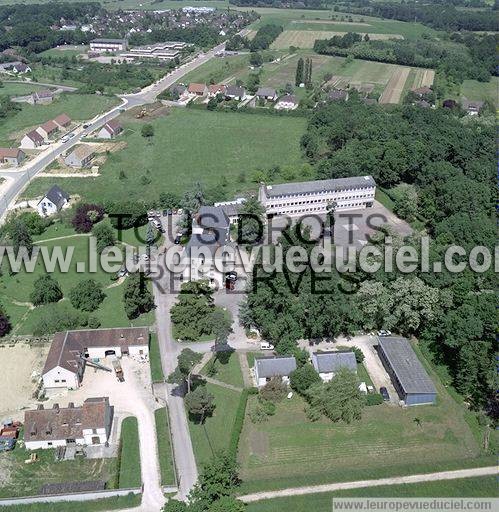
{"type": "Point", "coordinates": [315, 197]}
{"type": "Point", "coordinates": [108, 45]}
{"type": "Point", "coordinates": [161, 51]}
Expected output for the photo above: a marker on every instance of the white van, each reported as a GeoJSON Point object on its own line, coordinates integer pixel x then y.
{"type": "Point", "coordinates": [265, 345]}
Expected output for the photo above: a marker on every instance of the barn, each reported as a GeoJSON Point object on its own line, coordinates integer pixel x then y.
{"type": "Point", "coordinates": [409, 378]}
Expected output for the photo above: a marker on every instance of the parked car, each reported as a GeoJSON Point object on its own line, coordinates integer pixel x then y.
{"type": "Point", "coordinates": [65, 138]}
{"type": "Point", "coordinates": [122, 272]}
{"type": "Point", "coordinates": [178, 239]}
{"type": "Point", "coordinates": [71, 135]}
{"type": "Point", "coordinates": [86, 125]}
{"type": "Point", "coordinates": [265, 345]}
{"type": "Point", "coordinates": [384, 332]}
{"type": "Point", "coordinates": [384, 393]}
{"type": "Point", "coordinates": [231, 276]}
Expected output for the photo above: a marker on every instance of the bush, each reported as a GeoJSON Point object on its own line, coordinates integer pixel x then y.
{"type": "Point", "coordinates": [304, 377]}
{"type": "Point", "coordinates": [86, 215]}
{"type": "Point", "coordinates": [104, 234]}
{"type": "Point", "coordinates": [274, 391]}
{"type": "Point", "coordinates": [359, 355]}
{"type": "Point", "coordinates": [87, 295]}
{"type": "Point", "coordinates": [55, 318]}
{"type": "Point", "coordinates": [93, 322]}
{"type": "Point", "coordinates": [374, 399]}
{"type": "Point", "coordinates": [46, 290]}
{"type": "Point", "coordinates": [237, 426]}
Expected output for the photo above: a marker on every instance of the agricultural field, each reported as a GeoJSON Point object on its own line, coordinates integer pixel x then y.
{"type": "Point", "coordinates": [19, 89]}
{"type": "Point", "coordinates": [64, 51]}
{"type": "Point", "coordinates": [289, 450]}
{"type": "Point", "coordinates": [481, 91]}
{"type": "Point", "coordinates": [216, 149]}
{"type": "Point", "coordinates": [76, 106]}
{"type": "Point", "coordinates": [477, 487]}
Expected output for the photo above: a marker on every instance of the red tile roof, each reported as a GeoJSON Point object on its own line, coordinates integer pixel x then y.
{"type": "Point", "coordinates": [197, 88]}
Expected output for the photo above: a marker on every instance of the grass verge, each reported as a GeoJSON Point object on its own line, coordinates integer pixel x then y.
{"type": "Point", "coordinates": [164, 447]}
{"type": "Point", "coordinates": [129, 456]}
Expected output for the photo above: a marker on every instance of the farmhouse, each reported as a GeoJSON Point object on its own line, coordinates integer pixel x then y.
{"type": "Point", "coordinates": [32, 140]}
{"type": "Point", "coordinates": [266, 93]}
{"type": "Point", "coordinates": [21, 68]}
{"type": "Point", "coordinates": [62, 120]}
{"type": "Point", "coordinates": [52, 201]}
{"type": "Point", "coordinates": [232, 209]}
{"type": "Point", "coordinates": [314, 197]}
{"type": "Point", "coordinates": [65, 362]}
{"type": "Point", "coordinates": [41, 97]}
{"type": "Point", "coordinates": [110, 130]}
{"type": "Point", "coordinates": [203, 256]}
{"type": "Point", "coordinates": [235, 93]}
{"type": "Point", "coordinates": [472, 107]}
{"type": "Point", "coordinates": [108, 45]}
{"type": "Point", "coordinates": [327, 364]}
{"type": "Point", "coordinates": [13, 156]}
{"type": "Point", "coordinates": [408, 375]}
{"type": "Point", "coordinates": [80, 157]}
{"type": "Point", "coordinates": [422, 91]}
{"type": "Point", "coordinates": [5, 67]}
{"type": "Point", "coordinates": [47, 129]}
{"type": "Point", "coordinates": [338, 95]}
{"type": "Point", "coordinates": [287, 102]}
{"type": "Point", "coordinates": [197, 89]}
{"type": "Point", "coordinates": [89, 424]}
{"type": "Point", "coordinates": [276, 366]}
{"type": "Point", "coordinates": [215, 89]}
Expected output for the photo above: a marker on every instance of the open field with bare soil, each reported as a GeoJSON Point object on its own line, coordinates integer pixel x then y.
{"type": "Point", "coordinates": [395, 87]}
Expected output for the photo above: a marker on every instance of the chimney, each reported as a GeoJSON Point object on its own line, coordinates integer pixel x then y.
{"type": "Point", "coordinates": [122, 335]}
{"type": "Point", "coordinates": [56, 408]}
{"type": "Point", "coordinates": [32, 430]}
{"type": "Point", "coordinates": [71, 405]}
{"type": "Point", "coordinates": [39, 407]}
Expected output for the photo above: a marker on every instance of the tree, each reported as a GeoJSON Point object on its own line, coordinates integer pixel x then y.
{"type": "Point", "coordinates": [221, 326]}
{"type": "Point", "coordinates": [299, 72]}
{"type": "Point", "coordinates": [227, 504]}
{"type": "Point", "coordinates": [86, 216]}
{"type": "Point", "coordinates": [338, 399]}
{"type": "Point", "coordinates": [256, 59]}
{"type": "Point", "coordinates": [137, 299]}
{"type": "Point", "coordinates": [182, 374]}
{"type": "Point", "coordinates": [275, 390]}
{"type": "Point", "coordinates": [406, 203]}
{"type": "Point", "coordinates": [21, 237]}
{"type": "Point", "coordinates": [173, 505]}
{"type": "Point", "coordinates": [147, 131]}
{"type": "Point", "coordinates": [5, 325]}
{"type": "Point", "coordinates": [87, 295]}
{"type": "Point", "coordinates": [104, 234]}
{"type": "Point", "coordinates": [304, 377]}
{"type": "Point", "coordinates": [169, 200]}
{"type": "Point", "coordinates": [253, 82]}
{"type": "Point", "coordinates": [45, 290]}
{"type": "Point", "coordinates": [199, 403]}
{"type": "Point", "coordinates": [250, 221]}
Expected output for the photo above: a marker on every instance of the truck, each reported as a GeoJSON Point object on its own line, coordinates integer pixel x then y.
{"type": "Point", "coordinates": [118, 370]}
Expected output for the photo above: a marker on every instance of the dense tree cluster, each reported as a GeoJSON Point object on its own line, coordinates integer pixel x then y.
{"type": "Point", "coordinates": [203, 36]}
{"type": "Point", "coordinates": [265, 36]}
{"type": "Point", "coordinates": [137, 299]}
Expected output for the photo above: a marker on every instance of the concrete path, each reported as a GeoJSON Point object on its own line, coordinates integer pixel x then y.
{"type": "Point", "coordinates": [222, 384]}
{"type": "Point", "coordinates": [245, 369]}
{"type": "Point", "coordinates": [411, 479]}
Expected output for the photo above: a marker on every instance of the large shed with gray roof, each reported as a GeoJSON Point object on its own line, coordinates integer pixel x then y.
{"type": "Point", "coordinates": [327, 364]}
{"type": "Point", "coordinates": [276, 366]}
{"type": "Point", "coordinates": [409, 378]}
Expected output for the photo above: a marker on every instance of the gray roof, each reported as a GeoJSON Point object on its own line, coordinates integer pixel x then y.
{"type": "Point", "coordinates": [56, 195]}
{"type": "Point", "coordinates": [337, 94]}
{"type": "Point", "coordinates": [104, 40]}
{"type": "Point", "coordinates": [231, 210]}
{"type": "Point", "coordinates": [306, 187]}
{"type": "Point", "coordinates": [331, 362]}
{"type": "Point", "coordinates": [275, 366]}
{"type": "Point", "coordinates": [406, 365]}
{"type": "Point", "coordinates": [216, 228]}
{"type": "Point", "coordinates": [473, 105]}
{"type": "Point", "coordinates": [212, 217]}
{"type": "Point", "coordinates": [234, 90]}
{"type": "Point", "coordinates": [265, 92]}
{"type": "Point", "coordinates": [289, 98]}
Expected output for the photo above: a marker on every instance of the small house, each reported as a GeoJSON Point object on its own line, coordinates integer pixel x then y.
{"type": "Point", "coordinates": [110, 130]}
{"type": "Point", "coordinates": [422, 91]}
{"type": "Point", "coordinates": [41, 97]}
{"type": "Point", "coordinates": [48, 129]}
{"type": "Point", "coordinates": [32, 140]}
{"type": "Point", "coordinates": [62, 121]}
{"type": "Point", "coordinates": [266, 93]}
{"type": "Point", "coordinates": [12, 156]}
{"type": "Point", "coordinates": [89, 424]}
{"type": "Point", "coordinates": [215, 89]}
{"type": "Point", "coordinates": [197, 89]}
{"type": "Point", "coordinates": [473, 108]}
{"type": "Point", "coordinates": [267, 368]}
{"type": "Point", "coordinates": [20, 68]}
{"type": "Point", "coordinates": [287, 102]}
{"type": "Point", "coordinates": [337, 95]}
{"type": "Point", "coordinates": [327, 364]}
{"type": "Point", "coordinates": [80, 157]}
{"type": "Point", "coordinates": [52, 201]}
{"type": "Point", "coordinates": [235, 92]}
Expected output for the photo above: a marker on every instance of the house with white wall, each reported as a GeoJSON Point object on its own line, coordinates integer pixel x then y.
{"type": "Point", "coordinates": [327, 364]}
{"type": "Point", "coordinates": [267, 368]}
{"type": "Point", "coordinates": [52, 202]}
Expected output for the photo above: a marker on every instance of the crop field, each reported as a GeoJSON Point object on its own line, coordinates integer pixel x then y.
{"type": "Point", "coordinates": [189, 146]}
{"type": "Point", "coordinates": [289, 450]}
{"type": "Point", "coordinates": [423, 78]}
{"type": "Point", "coordinates": [395, 87]}
{"type": "Point", "coordinates": [306, 38]}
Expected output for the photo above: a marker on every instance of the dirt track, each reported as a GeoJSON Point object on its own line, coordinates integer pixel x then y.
{"type": "Point", "coordinates": [395, 86]}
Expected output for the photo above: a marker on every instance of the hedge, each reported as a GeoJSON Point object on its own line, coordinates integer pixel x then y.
{"type": "Point", "coordinates": [237, 426]}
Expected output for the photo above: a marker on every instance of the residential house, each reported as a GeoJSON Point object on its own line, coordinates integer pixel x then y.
{"type": "Point", "coordinates": [62, 121]}
{"type": "Point", "coordinates": [314, 197]}
{"type": "Point", "coordinates": [197, 89]}
{"type": "Point", "coordinates": [337, 95]}
{"type": "Point", "coordinates": [89, 424]}
{"type": "Point", "coordinates": [52, 201]}
{"type": "Point", "coordinates": [473, 108]}
{"type": "Point", "coordinates": [20, 68]}
{"type": "Point", "coordinates": [41, 97]}
{"type": "Point", "coordinates": [422, 91]}
{"type": "Point", "coordinates": [267, 368]}
{"type": "Point", "coordinates": [235, 92]}
{"type": "Point", "coordinates": [65, 364]}
{"type": "Point", "coordinates": [32, 140]}
{"type": "Point", "coordinates": [215, 89]}
{"type": "Point", "coordinates": [48, 129]}
{"type": "Point", "coordinates": [177, 90]}
{"type": "Point", "coordinates": [408, 375]}
{"type": "Point", "coordinates": [110, 130]}
{"type": "Point", "coordinates": [266, 93]}
{"type": "Point", "coordinates": [422, 104]}
{"type": "Point", "coordinates": [108, 45]}
{"type": "Point", "coordinates": [12, 156]}
{"type": "Point", "coordinates": [6, 67]}
{"type": "Point", "coordinates": [287, 102]}
{"type": "Point", "coordinates": [327, 364]}
{"type": "Point", "coordinates": [232, 208]}
{"type": "Point", "coordinates": [81, 156]}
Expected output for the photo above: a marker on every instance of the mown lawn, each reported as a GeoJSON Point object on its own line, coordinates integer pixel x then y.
{"type": "Point", "coordinates": [164, 447]}
{"type": "Point", "coordinates": [214, 434]}
{"type": "Point", "coordinates": [217, 149]}
{"type": "Point", "coordinates": [481, 91]}
{"type": "Point", "coordinates": [289, 450]}
{"type": "Point", "coordinates": [129, 476]}
{"type": "Point", "coordinates": [77, 106]}
{"type": "Point", "coordinates": [225, 370]}
{"type": "Point", "coordinates": [479, 487]}
{"type": "Point", "coordinates": [17, 89]}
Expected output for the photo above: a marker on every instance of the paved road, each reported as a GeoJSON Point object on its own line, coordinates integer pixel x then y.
{"type": "Point", "coordinates": [411, 479]}
{"type": "Point", "coordinates": [23, 175]}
